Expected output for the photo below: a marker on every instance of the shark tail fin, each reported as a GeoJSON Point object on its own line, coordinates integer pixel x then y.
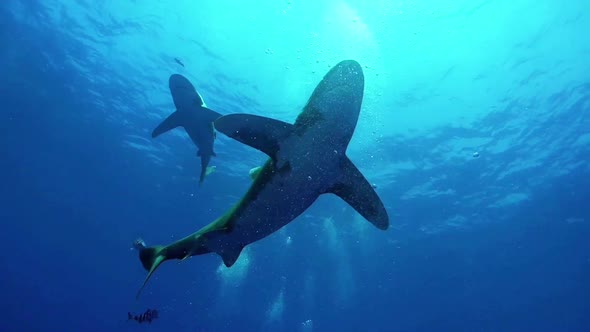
{"type": "Point", "coordinates": [151, 258]}
{"type": "Point", "coordinates": [172, 121]}
{"type": "Point", "coordinates": [355, 190]}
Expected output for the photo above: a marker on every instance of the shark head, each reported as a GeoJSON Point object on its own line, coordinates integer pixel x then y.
{"type": "Point", "coordinates": [184, 94]}
{"type": "Point", "coordinates": [334, 105]}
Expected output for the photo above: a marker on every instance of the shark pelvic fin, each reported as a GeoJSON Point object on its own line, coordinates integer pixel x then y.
{"type": "Point", "coordinates": [151, 258]}
{"type": "Point", "coordinates": [259, 132]}
{"type": "Point", "coordinates": [355, 190]}
{"type": "Point", "coordinates": [172, 121]}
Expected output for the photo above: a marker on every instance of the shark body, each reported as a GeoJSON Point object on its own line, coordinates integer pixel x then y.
{"type": "Point", "coordinates": [307, 159]}
{"type": "Point", "coordinates": [193, 115]}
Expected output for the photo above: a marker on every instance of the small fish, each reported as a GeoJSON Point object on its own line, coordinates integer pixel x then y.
{"type": "Point", "coordinates": [178, 61]}
{"type": "Point", "coordinates": [147, 316]}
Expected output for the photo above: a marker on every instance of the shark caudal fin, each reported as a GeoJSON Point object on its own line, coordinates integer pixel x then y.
{"type": "Point", "coordinates": [151, 258]}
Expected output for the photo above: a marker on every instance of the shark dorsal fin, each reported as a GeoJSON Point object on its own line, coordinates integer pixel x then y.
{"type": "Point", "coordinates": [261, 133]}
{"type": "Point", "coordinates": [355, 190]}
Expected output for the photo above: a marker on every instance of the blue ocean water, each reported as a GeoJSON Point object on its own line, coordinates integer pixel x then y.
{"type": "Point", "coordinates": [475, 129]}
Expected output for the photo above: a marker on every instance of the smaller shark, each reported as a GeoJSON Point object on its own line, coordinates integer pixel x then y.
{"type": "Point", "coordinates": [177, 60]}
{"type": "Point", "coordinates": [193, 115]}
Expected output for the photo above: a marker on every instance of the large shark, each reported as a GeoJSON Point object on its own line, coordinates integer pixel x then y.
{"type": "Point", "coordinates": [307, 159]}
{"type": "Point", "coordinates": [192, 114]}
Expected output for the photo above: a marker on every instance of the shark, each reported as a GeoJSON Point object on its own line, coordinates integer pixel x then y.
{"type": "Point", "coordinates": [193, 115]}
{"type": "Point", "coordinates": [306, 159]}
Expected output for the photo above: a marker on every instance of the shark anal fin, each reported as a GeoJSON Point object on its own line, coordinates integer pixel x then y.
{"type": "Point", "coordinates": [355, 190]}
{"type": "Point", "coordinates": [172, 121]}
{"type": "Point", "coordinates": [259, 132]}
{"type": "Point", "coordinates": [230, 255]}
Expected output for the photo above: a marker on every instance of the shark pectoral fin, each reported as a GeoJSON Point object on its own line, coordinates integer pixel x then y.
{"type": "Point", "coordinates": [172, 121]}
{"type": "Point", "coordinates": [151, 258]}
{"type": "Point", "coordinates": [261, 133]}
{"type": "Point", "coordinates": [209, 114]}
{"type": "Point", "coordinates": [254, 172]}
{"type": "Point", "coordinates": [230, 255]}
{"type": "Point", "coordinates": [355, 190]}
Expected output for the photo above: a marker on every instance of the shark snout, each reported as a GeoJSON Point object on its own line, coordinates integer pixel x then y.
{"type": "Point", "coordinates": [177, 81]}
{"type": "Point", "coordinates": [184, 94]}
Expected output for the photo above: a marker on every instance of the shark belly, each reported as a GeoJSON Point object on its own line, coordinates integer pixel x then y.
{"type": "Point", "coordinates": [286, 195]}
{"type": "Point", "coordinates": [275, 205]}
{"type": "Point", "coordinates": [201, 133]}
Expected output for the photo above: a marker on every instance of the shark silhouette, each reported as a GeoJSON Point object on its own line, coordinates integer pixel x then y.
{"type": "Point", "coordinates": [307, 159]}
{"type": "Point", "coordinates": [192, 114]}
